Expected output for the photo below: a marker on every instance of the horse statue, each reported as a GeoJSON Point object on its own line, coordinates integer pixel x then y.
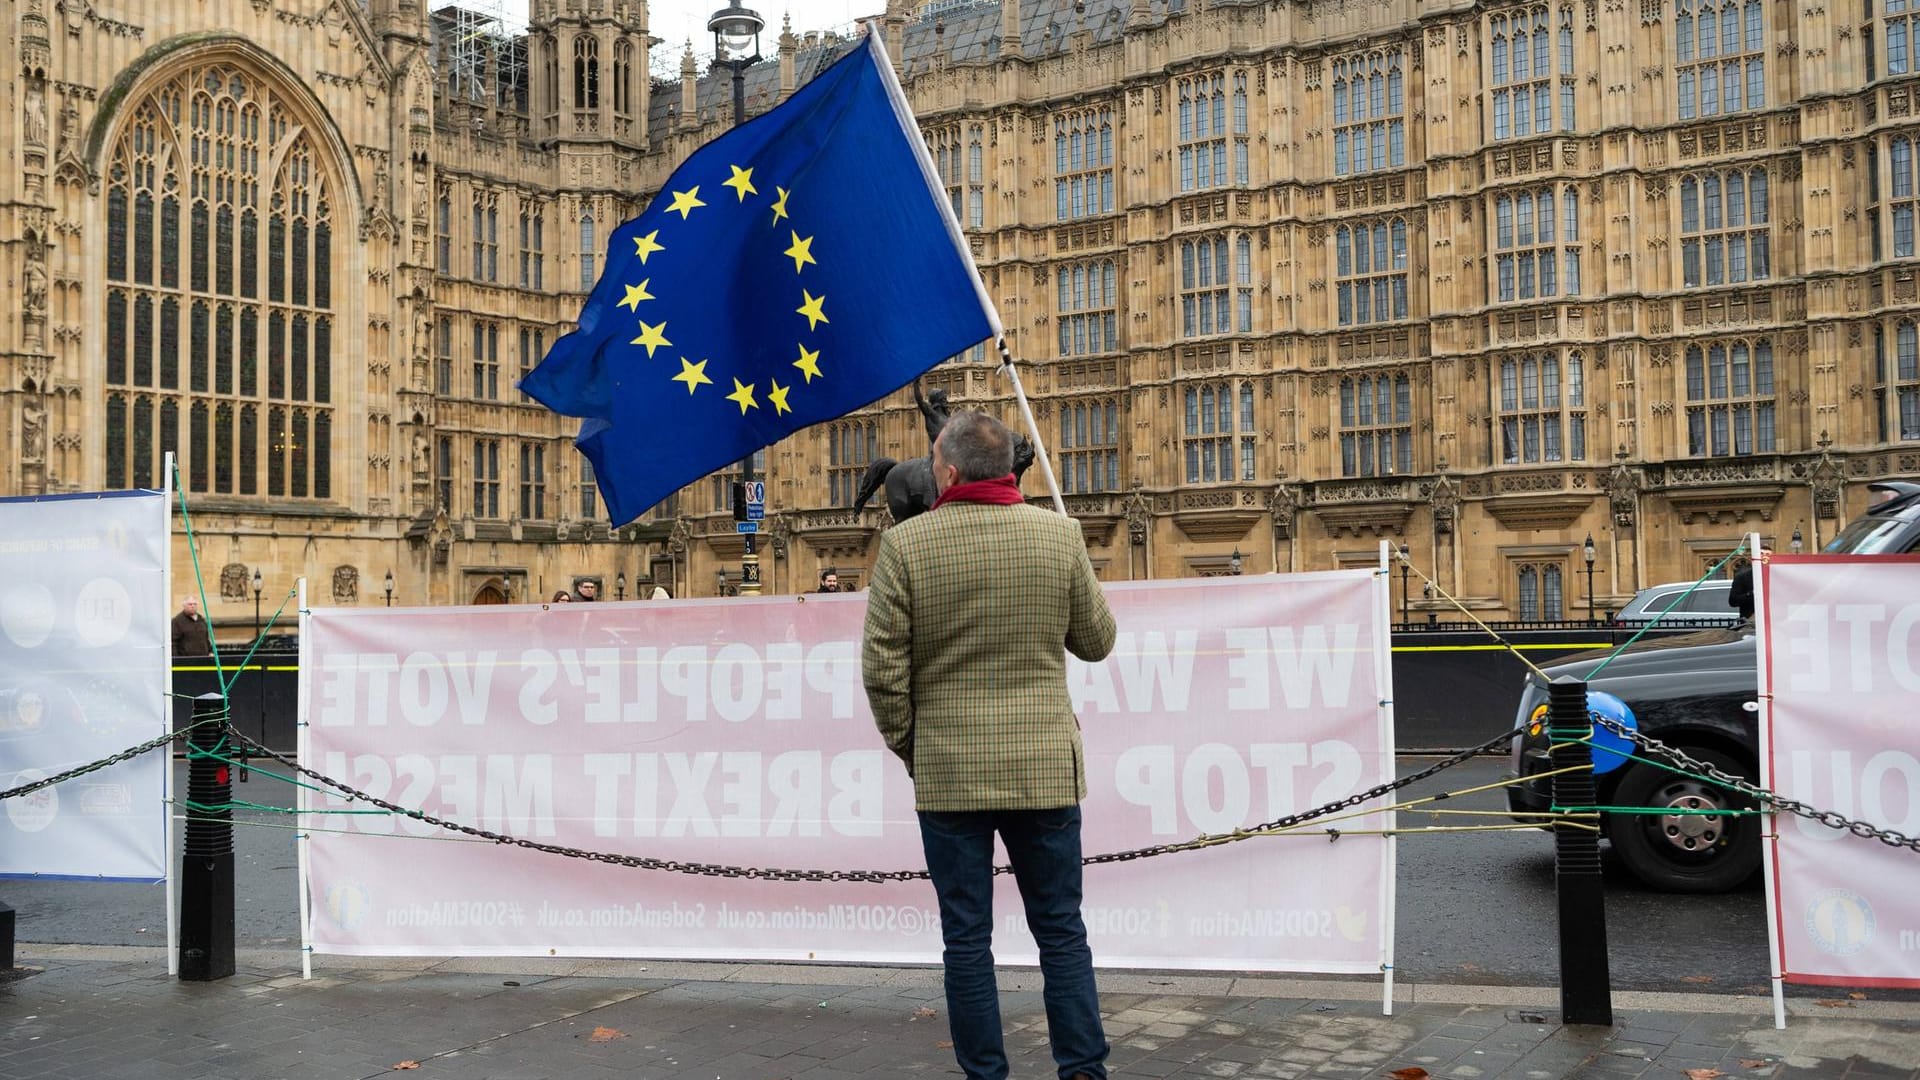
{"type": "Point", "coordinates": [911, 490]}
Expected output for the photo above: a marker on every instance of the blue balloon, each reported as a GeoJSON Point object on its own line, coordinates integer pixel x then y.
{"type": "Point", "coordinates": [1610, 750]}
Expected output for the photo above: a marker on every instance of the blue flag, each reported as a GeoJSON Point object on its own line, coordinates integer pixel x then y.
{"type": "Point", "coordinates": [796, 268]}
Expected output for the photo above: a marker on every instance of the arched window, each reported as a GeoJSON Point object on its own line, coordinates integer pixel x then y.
{"type": "Point", "coordinates": [1540, 591]}
{"type": "Point", "coordinates": [1529, 62]}
{"type": "Point", "coordinates": [623, 78]}
{"type": "Point", "coordinates": [1089, 446]}
{"type": "Point", "coordinates": [1536, 239]}
{"type": "Point", "coordinates": [1369, 112]}
{"type": "Point", "coordinates": [589, 252]}
{"type": "Point", "coordinates": [1089, 319]}
{"type": "Point", "coordinates": [1730, 398]}
{"type": "Point", "coordinates": [1376, 425]}
{"type": "Point", "coordinates": [586, 72]}
{"type": "Point", "coordinates": [1205, 136]}
{"type": "Point", "coordinates": [1724, 228]}
{"type": "Point", "coordinates": [851, 447]}
{"type": "Point", "coordinates": [1218, 435]}
{"type": "Point", "coordinates": [1083, 164]}
{"type": "Point", "coordinates": [1543, 414]}
{"type": "Point", "coordinates": [188, 186]}
{"type": "Point", "coordinates": [1720, 56]}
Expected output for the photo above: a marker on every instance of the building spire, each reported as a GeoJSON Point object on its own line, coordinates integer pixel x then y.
{"type": "Point", "coordinates": [1009, 28]}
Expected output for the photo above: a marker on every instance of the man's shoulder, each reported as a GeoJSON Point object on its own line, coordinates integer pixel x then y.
{"type": "Point", "coordinates": [969, 518]}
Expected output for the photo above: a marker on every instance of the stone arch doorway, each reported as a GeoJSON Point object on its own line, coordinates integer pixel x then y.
{"type": "Point", "coordinates": [490, 593]}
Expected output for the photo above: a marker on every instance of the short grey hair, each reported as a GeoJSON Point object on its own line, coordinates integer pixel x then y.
{"type": "Point", "coordinates": [978, 445]}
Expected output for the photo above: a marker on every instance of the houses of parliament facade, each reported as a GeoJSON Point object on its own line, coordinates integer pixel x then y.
{"type": "Point", "coordinates": [1285, 279]}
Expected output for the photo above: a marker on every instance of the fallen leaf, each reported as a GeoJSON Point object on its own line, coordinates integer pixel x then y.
{"type": "Point", "coordinates": [944, 1044]}
{"type": "Point", "coordinates": [1704, 1074]}
{"type": "Point", "coordinates": [1834, 1004]}
{"type": "Point", "coordinates": [605, 1034]}
{"type": "Point", "coordinates": [1754, 1063]}
{"type": "Point", "coordinates": [1696, 978]}
{"type": "Point", "coordinates": [1411, 1072]}
{"type": "Point", "coordinates": [408, 1065]}
{"type": "Point", "coordinates": [1858, 996]}
{"type": "Point", "coordinates": [924, 1013]}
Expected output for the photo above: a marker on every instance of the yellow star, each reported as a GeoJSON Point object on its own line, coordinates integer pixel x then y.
{"type": "Point", "coordinates": [780, 205]}
{"type": "Point", "coordinates": [812, 310]}
{"type": "Point", "coordinates": [635, 294]}
{"type": "Point", "coordinates": [801, 252]}
{"type": "Point", "coordinates": [692, 374]}
{"type": "Point", "coordinates": [685, 201]}
{"type": "Point", "coordinates": [644, 246]}
{"type": "Point", "coordinates": [741, 183]}
{"type": "Point", "coordinates": [809, 363]}
{"type": "Point", "coordinates": [652, 337]}
{"type": "Point", "coordinates": [778, 395]}
{"type": "Point", "coordinates": [743, 396]}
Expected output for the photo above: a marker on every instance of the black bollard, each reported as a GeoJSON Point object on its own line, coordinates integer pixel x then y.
{"type": "Point", "coordinates": [6, 939]}
{"type": "Point", "coordinates": [1586, 996]}
{"type": "Point", "coordinates": [206, 865]}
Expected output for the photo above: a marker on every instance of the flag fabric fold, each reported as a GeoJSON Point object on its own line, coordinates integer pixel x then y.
{"type": "Point", "coordinates": [798, 267]}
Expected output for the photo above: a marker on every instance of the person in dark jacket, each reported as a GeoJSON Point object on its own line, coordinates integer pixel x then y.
{"type": "Point", "coordinates": [191, 636]}
{"type": "Point", "coordinates": [1740, 593]}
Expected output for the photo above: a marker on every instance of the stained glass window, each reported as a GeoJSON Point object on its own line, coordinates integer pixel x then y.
{"type": "Point", "coordinates": [227, 146]}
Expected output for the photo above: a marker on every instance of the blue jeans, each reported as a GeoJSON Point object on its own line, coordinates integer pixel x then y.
{"type": "Point", "coordinates": [1044, 848]}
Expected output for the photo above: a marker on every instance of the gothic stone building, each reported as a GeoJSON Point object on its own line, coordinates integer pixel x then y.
{"type": "Point", "coordinates": [1289, 277]}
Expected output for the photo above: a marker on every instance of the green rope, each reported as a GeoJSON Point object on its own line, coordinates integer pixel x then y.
{"type": "Point", "coordinates": [214, 808]}
{"type": "Point", "coordinates": [1712, 572]}
{"type": "Point", "coordinates": [265, 772]}
{"type": "Point", "coordinates": [199, 582]}
{"type": "Point", "coordinates": [227, 684]}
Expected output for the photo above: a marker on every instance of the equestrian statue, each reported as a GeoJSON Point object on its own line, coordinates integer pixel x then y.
{"type": "Point", "coordinates": [910, 487]}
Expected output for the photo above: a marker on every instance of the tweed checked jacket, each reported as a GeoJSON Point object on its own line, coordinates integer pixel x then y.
{"type": "Point", "coordinates": [970, 615]}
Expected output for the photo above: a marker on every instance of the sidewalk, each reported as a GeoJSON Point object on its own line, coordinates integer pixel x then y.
{"type": "Point", "coordinates": [93, 1011]}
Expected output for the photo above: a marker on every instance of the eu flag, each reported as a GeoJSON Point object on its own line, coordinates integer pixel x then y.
{"type": "Point", "coordinates": [798, 267]}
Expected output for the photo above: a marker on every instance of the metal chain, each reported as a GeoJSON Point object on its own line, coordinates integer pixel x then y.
{"type": "Point", "coordinates": [674, 866]}
{"type": "Point", "coordinates": [1831, 819]}
{"type": "Point", "coordinates": [128, 754]}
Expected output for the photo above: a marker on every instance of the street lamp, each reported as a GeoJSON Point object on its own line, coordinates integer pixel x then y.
{"type": "Point", "coordinates": [258, 584]}
{"type": "Point", "coordinates": [1234, 562]}
{"type": "Point", "coordinates": [736, 44]}
{"type": "Point", "coordinates": [1426, 591]}
{"type": "Point", "coordinates": [1587, 550]}
{"type": "Point", "coordinates": [1406, 569]}
{"type": "Point", "coordinates": [720, 582]}
{"type": "Point", "coordinates": [1796, 542]}
{"type": "Point", "coordinates": [389, 588]}
{"type": "Point", "coordinates": [620, 585]}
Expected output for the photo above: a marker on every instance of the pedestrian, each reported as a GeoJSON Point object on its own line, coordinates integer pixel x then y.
{"type": "Point", "coordinates": [660, 593]}
{"type": "Point", "coordinates": [971, 611]}
{"type": "Point", "coordinates": [1740, 593]}
{"type": "Point", "coordinates": [191, 636]}
{"type": "Point", "coordinates": [588, 589]}
{"type": "Point", "coordinates": [561, 596]}
{"type": "Point", "coordinates": [829, 581]}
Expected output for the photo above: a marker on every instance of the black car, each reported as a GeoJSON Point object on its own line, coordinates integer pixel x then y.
{"type": "Point", "coordinates": [1698, 693]}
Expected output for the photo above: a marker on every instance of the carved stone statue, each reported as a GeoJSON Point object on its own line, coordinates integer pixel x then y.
{"type": "Point", "coordinates": [35, 128]}
{"type": "Point", "coordinates": [1445, 502]}
{"type": "Point", "coordinates": [422, 457]}
{"type": "Point", "coordinates": [346, 585]}
{"type": "Point", "coordinates": [1623, 494]}
{"type": "Point", "coordinates": [33, 429]}
{"type": "Point", "coordinates": [35, 299]}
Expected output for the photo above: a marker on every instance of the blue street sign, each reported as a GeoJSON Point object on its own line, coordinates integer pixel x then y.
{"type": "Point", "coordinates": [756, 511]}
{"type": "Point", "coordinates": [746, 526]}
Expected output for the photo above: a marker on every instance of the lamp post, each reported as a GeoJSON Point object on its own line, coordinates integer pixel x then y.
{"type": "Point", "coordinates": [736, 44]}
{"type": "Point", "coordinates": [620, 585]}
{"type": "Point", "coordinates": [1426, 591]}
{"type": "Point", "coordinates": [389, 588]}
{"type": "Point", "coordinates": [258, 584]}
{"type": "Point", "coordinates": [1587, 550]}
{"type": "Point", "coordinates": [1797, 541]}
{"type": "Point", "coordinates": [1234, 562]}
{"type": "Point", "coordinates": [720, 582]}
{"type": "Point", "coordinates": [1406, 570]}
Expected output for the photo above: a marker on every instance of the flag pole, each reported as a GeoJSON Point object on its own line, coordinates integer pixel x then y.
{"type": "Point", "coordinates": [903, 111]}
{"type": "Point", "coordinates": [1033, 429]}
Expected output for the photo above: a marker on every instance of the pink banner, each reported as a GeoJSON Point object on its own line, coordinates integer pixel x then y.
{"type": "Point", "coordinates": [737, 732]}
{"type": "Point", "coordinates": [1842, 649]}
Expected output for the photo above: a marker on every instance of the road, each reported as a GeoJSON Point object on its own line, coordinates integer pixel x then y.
{"type": "Point", "coordinates": [1473, 907]}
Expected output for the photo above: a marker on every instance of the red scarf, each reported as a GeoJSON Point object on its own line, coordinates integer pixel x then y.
{"type": "Point", "coordinates": [1000, 491]}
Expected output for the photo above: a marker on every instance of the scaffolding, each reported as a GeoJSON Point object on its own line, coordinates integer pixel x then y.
{"type": "Point", "coordinates": [481, 49]}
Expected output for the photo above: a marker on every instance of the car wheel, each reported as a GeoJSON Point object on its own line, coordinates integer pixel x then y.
{"type": "Point", "coordinates": [1686, 852]}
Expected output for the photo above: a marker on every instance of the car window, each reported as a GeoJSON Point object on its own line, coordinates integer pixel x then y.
{"type": "Point", "coordinates": [1709, 602]}
{"type": "Point", "coordinates": [1872, 536]}
{"type": "Point", "coordinates": [1657, 602]}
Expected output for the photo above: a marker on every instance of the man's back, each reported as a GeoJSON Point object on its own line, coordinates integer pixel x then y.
{"type": "Point", "coordinates": [971, 623]}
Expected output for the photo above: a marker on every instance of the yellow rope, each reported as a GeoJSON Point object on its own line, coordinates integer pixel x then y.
{"type": "Point", "coordinates": [1407, 561]}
